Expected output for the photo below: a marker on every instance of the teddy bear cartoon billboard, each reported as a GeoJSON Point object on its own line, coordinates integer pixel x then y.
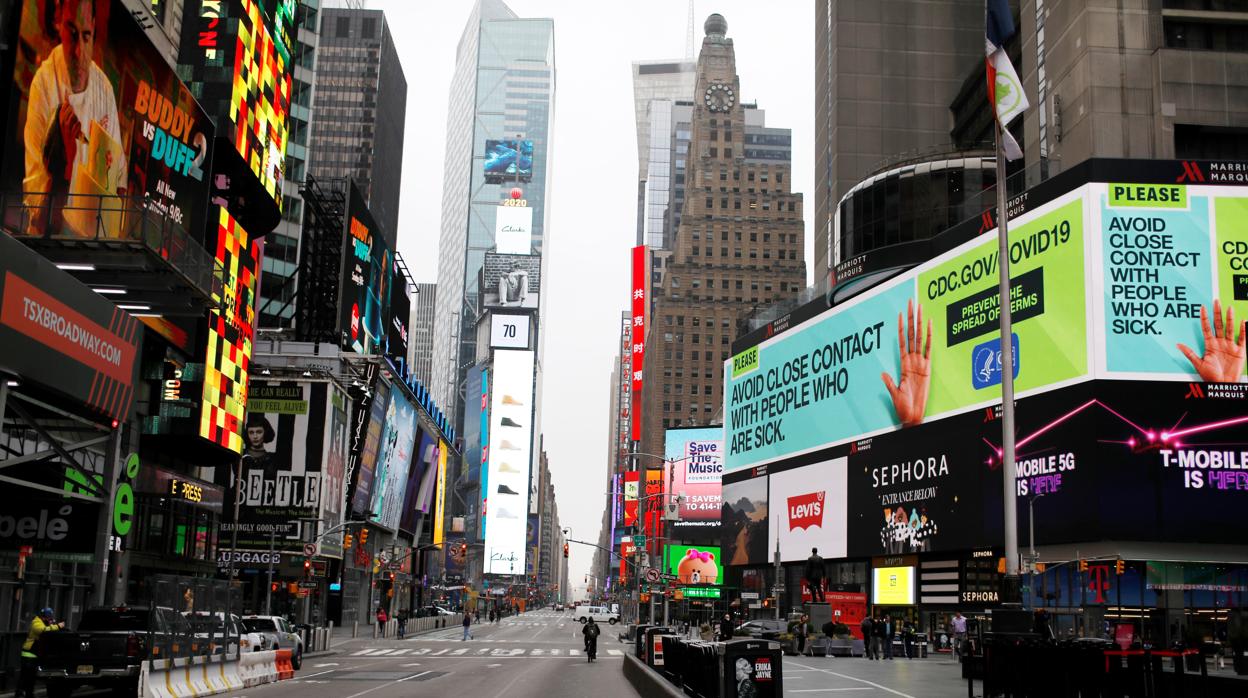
{"type": "Point", "coordinates": [694, 564]}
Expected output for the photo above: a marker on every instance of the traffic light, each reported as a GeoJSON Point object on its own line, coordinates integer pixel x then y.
{"type": "Point", "coordinates": [273, 587]}
{"type": "Point", "coordinates": [1120, 567]}
{"type": "Point", "coordinates": [307, 568]}
{"type": "Point", "coordinates": [1083, 565]}
{"type": "Point", "coordinates": [463, 549]}
{"type": "Point", "coordinates": [347, 542]}
{"type": "Point", "coordinates": [565, 550]}
{"type": "Point", "coordinates": [363, 536]}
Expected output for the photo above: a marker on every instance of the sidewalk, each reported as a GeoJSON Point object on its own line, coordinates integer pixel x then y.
{"type": "Point", "coordinates": [938, 676]}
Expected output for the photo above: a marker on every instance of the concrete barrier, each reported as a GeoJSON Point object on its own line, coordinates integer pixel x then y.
{"type": "Point", "coordinates": [257, 668]}
{"type": "Point", "coordinates": [647, 681]}
{"type": "Point", "coordinates": [284, 668]}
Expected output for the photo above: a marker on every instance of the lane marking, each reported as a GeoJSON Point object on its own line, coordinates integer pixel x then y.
{"type": "Point", "coordinates": [614, 653]}
{"type": "Point", "coordinates": [826, 690]}
{"type": "Point", "coordinates": [855, 678]}
{"type": "Point", "coordinates": [388, 684]}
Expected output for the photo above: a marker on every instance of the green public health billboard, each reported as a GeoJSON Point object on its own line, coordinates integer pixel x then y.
{"type": "Point", "coordinates": [1108, 281]}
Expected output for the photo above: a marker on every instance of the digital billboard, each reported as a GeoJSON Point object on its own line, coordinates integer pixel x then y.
{"type": "Point", "coordinates": [103, 128]}
{"type": "Point", "coordinates": [333, 488]}
{"type": "Point", "coordinates": [744, 522]}
{"type": "Point", "coordinates": [426, 457]}
{"type": "Point", "coordinates": [511, 431]}
{"type": "Point", "coordinates": [509, 331]}
{"type": "Point", "coordinates": [510, 281]}
{"type": "Point", "coordinates": [695, 564]}
{"type": "Point", "coordinates": [513, 230]}
{"type": "Point", "coordinates": [892, 586]}
{"type": "Point", "coordinates": [58, 332]}
{"type": "Point", "coordinates": [231, 328]}
{"type": "Point", "coordinates": [475, 412]}
{"type": "Point", "coordinates": [400, 315]}
{"type": "Point", "coordinates": [695, 465]}
{"type": "Point", "coordinates": [508, 160]}
{"type": "Point", "coordinates": [640, 307]}
{"type": "Point", "coordinates": [236, 56]}
{"type": "Point", "coordinates": [808, 510]}
{"type": "Point", "coordinates": [365, 469]}
{"type": "Point", "coordinates": [394, 457]}
{"type": "Point", "coordinates": [364, 295]}
{"type": "Point", "coordinates": [632, 489]}
{"type": "Point", "coordinates": [282, 476]}
{"type": "Point", "coordinates": [439, 496]}
{"type": "Point", "coordinates": [1109, 280]}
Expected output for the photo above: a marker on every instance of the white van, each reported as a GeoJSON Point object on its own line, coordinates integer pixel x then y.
{"type": "Point", "coordinates": [600, 614]}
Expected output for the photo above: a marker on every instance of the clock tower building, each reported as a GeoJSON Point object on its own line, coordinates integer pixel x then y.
{"type": "Point", "coordinates": [738, 248]}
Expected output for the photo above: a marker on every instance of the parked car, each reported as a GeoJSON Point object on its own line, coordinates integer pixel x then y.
{"type": "Point", "coordinates": [280, 635]}
{"type": "Point", "coordinates": [600, 614]}
{"type": "Point", "coordinates": [558, 607]}
{"type": "Point", "coordinates": [211, 627]}
{"type": "Point", "coordinates": [108, 647]}
{"type": "Point", "coordinates": [432, 611]}
{"type": "Point", "coordinates": [762, 628]}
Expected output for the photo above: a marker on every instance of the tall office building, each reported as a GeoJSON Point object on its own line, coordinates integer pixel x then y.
{"type": "Point", "coordinates": [657, 88]}
{"type": "Point", "coordinates": [361, 102]}
{"type": "Point", "coordinates": [420, 332]}
{"type": "Point", "coordinates": [502, 95]}
{"type": "Point", "coordinates": [885, 76]}
{"type": "Point", "coordinates": [738, 247]}
{"type": "Point", "coordinates": [276, 306]}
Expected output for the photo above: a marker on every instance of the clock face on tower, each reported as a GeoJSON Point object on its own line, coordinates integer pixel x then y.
{"type": "Point", "coordinates": [719, 97]}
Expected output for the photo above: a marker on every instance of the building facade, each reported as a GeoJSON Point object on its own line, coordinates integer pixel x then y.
{"type": "Point", "coordinates": [739, 247]}
{"type": "Point", "coordinates": [360, 107]}
{"type": "Point", "coordinates": [420, 342]}
{"type": "Point", "coordinates": [502, 93]}
{"type": "Point", "coordinates": [657, 88]}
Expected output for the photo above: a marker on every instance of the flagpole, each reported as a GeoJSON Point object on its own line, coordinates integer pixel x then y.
{"type": "Point", "coordinates": [1011, 592]}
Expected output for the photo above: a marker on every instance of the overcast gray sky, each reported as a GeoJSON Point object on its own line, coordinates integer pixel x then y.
{"type": "Point", "coordinates": [592, 209]}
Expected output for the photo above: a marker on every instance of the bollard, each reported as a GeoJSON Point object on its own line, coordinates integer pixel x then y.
{"type": "Point", "coordinates": [355, 629]}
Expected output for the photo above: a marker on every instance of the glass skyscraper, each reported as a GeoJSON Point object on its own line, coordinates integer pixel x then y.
{"type": "Point", "coordinates": [503, 89]}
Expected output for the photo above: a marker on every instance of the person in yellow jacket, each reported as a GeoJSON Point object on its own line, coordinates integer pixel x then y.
{"type": "Point", "coordinates": [42, 623]}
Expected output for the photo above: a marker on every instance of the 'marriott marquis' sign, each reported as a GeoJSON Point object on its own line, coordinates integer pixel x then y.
{"type": "Point", "coordinates": [1109, 281]}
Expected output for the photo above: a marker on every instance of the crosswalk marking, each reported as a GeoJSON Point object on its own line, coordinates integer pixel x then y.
{"type": "Point", "coordinates": [615, 653]}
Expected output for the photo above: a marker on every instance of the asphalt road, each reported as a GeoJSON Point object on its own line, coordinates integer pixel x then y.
{"type": "Point", "coordinates": [535, 654]}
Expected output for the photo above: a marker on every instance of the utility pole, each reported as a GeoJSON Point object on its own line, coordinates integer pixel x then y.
{"type": "Point", "coordinates": [1011, 595]}
{"type": "Point", "coordinates": [268, 590]}
{"type": "Point", "coordinates": [779, 586]}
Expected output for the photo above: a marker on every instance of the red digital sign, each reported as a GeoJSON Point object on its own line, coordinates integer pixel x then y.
{"type": "Point", "coordinates": [640, 286]}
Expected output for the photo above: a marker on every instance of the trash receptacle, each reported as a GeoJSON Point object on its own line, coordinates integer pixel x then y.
{"type": "Point", "coordinates": [652, 643]}
{"type": "Point", "coordinates": [699, 673]}
{"type": "Point", "coordinates": [750, 668]}
{"type": "Point", "coordinates": [639, 640]}
{"type": "Point", "coordinates": [674, 661]}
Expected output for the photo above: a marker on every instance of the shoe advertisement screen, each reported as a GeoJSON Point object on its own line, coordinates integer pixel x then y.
{"type": "Point", "coordinates": [511, 428]}
{"type": "Point", "coordinates": [695, 464]}
{"type": "Point", "coordinates": [104, 129]}
{"type": "Point", "coordinates": [1109, 280]}
{"type": "Point", "coordinates": [808, 510]}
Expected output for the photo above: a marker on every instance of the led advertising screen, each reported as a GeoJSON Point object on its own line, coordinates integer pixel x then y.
{"type": "Point", "coordinates": [475, 411]}
{"type": "Point", "coordinates": [400, 311]}
{"type": "Point", "coordinates": [698, 564]}
{"type": "Point", "coordinates": [425, 458]}
{"type": "Point", "coordinates": [744, 522]}
{"type": "Point", "coordinates": [102, 131]}
{"type": "Point", "coordinates": [509, 331]}
{"type": "Point", "coordinates": [695, 465]}
{"type": "Point", "coordinates": [632, 489]}
{"type": "Point", "coordinates": [510, 281]}
{"type": "Point", "coordinates": [439, 496]}
{"type": "Point", "coordinates": [508, 160]}
{"type": "Point", "coordinates": [58, 332]}
{"type": "Point", "coordinates": [231, 327]}
{"type": "Point", "coordinates": [236, 56]}
{"type": "Point", "coordinates": [1110, 280]}
{"type": "Point", "coordinates": [363, 312]}
{"type": "Point", "coordinates": [282, 476]}
{"type": "Point", "coordinates": [364, 482]}
{"type": "Point", "coordinates": [511, 425]}
{"type": "Point", "coordinates": [640, 307]}
{"type": "Point", "coordinates": [808, 510]}
{"type": "Point", "coordinates": [892, 586]}
{"type": "Point", "coordinates": [513, 230]}
{"type": "Point", "coordinates": [333, 493]}
{"type": "Point", "coordinates": [398, 435]}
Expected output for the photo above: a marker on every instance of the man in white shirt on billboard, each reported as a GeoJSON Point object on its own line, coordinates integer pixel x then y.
{"type": "Point", "coordinates": [68, 93]}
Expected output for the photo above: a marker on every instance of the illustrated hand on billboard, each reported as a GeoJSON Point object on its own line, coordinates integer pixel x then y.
{"type": "Point", "coordinates": [910, 394]}
{"type": "Point", "coordinates": [1223, 361]}
{"type": "Point", "coordinates": [70, 133]}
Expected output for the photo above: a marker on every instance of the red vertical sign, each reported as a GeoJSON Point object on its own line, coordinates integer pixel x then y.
{"type": "Point", "coordinates": [640, 284]}
{"type": "Point", "coordinates": [632, 482]}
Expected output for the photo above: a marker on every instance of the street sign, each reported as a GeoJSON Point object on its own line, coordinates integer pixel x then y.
{"type": "Point", "coordinates": [749, 595]}
{"type": "Point", "coordinates": [394, 566]}
{"type": "Point", "coordinates": [668, 577]}
{"type": "Point", "coordinates": [307, 585]}
{"type": "Point", "coordinates": [309, 549]}
{"type": "Point", "coordinates": [652, 575]}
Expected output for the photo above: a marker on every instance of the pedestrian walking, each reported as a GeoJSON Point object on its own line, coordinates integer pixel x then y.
{"type": "Point", "coordinates": [725, 628]}
{"type": "Point", "coordinates": [957, 627]}
{"type": "Point", "coordinates": [907, 639]}
{"type": "Point", "coordinates": [40, 624]}
{"type": "Point", "coordinates": [889, 629]}
{"type": "Point", "coordinates": [467, 625]}
{"type": "Point", "coordinates": [402, 617]}
{"type": "Point", "coordinates": [801, 633]}
{"type": "Point", "coordinates": [814, 575]}
{"type": "Point", "coordinates": [877, 638]}
{"type": "Point", "coordinates": [868, 634]}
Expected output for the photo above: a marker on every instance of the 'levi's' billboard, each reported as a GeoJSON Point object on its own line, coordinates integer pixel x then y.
{"type": "Point", "coordinates": [808, 510]}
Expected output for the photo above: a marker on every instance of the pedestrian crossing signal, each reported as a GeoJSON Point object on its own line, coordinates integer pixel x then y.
{"type": "Point", "coordinates": [565, 550]}
{"type": "Point", "coordinates": [1083, 565]}
{"type": "Point", "coordinates": [347, 541]}
{"type": "Point", "coordinates": [1120, 567]}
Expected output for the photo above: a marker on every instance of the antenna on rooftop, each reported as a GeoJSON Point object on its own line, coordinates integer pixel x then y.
{"type": "Point", "coordinates": [689, 34]}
